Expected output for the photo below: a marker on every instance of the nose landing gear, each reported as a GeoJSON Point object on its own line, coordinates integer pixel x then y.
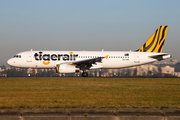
{"type": "Point", "coordinates": [29, 72]}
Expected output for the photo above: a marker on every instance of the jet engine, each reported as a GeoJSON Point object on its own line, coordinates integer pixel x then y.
{"type": "Point", "coordinates": [66, 68]}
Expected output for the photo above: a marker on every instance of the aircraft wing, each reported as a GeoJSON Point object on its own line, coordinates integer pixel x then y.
{"type": "Point", "coordinates": [87, 63]}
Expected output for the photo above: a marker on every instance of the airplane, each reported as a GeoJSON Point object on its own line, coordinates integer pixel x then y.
{"type": "Point", "coordinates": [75, 61]}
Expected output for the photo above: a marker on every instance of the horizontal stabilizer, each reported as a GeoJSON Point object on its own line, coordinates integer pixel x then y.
{"type": "Point", "coordinates": [161, 57]}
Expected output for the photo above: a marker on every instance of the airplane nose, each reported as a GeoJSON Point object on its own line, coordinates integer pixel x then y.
{"type": "Point", "coordinates": [10, 62]}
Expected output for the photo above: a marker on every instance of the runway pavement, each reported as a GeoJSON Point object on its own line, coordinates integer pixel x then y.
{"type": "Point", "coordinates": [87, 114]}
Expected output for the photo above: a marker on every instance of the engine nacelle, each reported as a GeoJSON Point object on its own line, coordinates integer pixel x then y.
{"type": "Point", "coordinates": [65, 68]}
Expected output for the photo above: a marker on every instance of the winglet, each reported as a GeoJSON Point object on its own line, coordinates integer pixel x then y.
{"type": "Point", "coordinates": [106, 56]}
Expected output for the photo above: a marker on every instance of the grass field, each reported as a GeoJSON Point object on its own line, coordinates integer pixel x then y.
{"type": "Point", "coordinates": [90, 92]}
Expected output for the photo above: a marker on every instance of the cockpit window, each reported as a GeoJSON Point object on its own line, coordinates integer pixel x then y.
{"type": "Point", "coordinates": [17, 56]}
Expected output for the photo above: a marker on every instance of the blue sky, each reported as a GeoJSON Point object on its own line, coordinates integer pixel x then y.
{"type": "Point", "coordinates": [85, 25]}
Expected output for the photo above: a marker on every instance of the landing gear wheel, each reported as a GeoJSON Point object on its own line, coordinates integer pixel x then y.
{"type": "Point", "coordinates": [84, 74]}
{"type": "Point", "coordinates": [29, 75]}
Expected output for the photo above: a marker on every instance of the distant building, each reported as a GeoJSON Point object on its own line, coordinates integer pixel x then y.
{"type": "Point", "coordinates": [167, 70]}
{"type": "Point", "coordinates": [8, 68]}
{"type": "Point", "coordinates": [147, 70]}
{"type": "Point", "coordinates": [2, 68]}
{"type": "Point", "coordinates": [177, 74]}
{"type": "Point", "coordinates": [173, 61]}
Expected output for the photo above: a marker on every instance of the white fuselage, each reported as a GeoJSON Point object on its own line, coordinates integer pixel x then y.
{"type": "Point", "coordinates": [113, 59]}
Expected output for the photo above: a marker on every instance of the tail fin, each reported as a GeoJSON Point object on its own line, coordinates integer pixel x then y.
{"type": "Point", "coordinates": [156, 42]}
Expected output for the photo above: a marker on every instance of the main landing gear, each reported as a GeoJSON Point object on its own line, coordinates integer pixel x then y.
{"type": "Point", "coordinates": [84, 74]}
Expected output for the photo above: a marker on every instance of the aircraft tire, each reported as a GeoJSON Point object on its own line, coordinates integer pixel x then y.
{"type": "Point", "coordinates": [84, 74]}
{"type": "Point", "coordinates": [29, 75]}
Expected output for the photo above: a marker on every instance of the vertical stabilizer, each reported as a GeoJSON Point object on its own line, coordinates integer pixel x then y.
{"type": "Point", "coordinates": [156, 42]}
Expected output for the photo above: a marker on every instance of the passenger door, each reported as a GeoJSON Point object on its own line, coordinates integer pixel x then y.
{"type": "Point", "coordinates": [29, 56]}
{"type": "Point", "coordinates": [136, 58]}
